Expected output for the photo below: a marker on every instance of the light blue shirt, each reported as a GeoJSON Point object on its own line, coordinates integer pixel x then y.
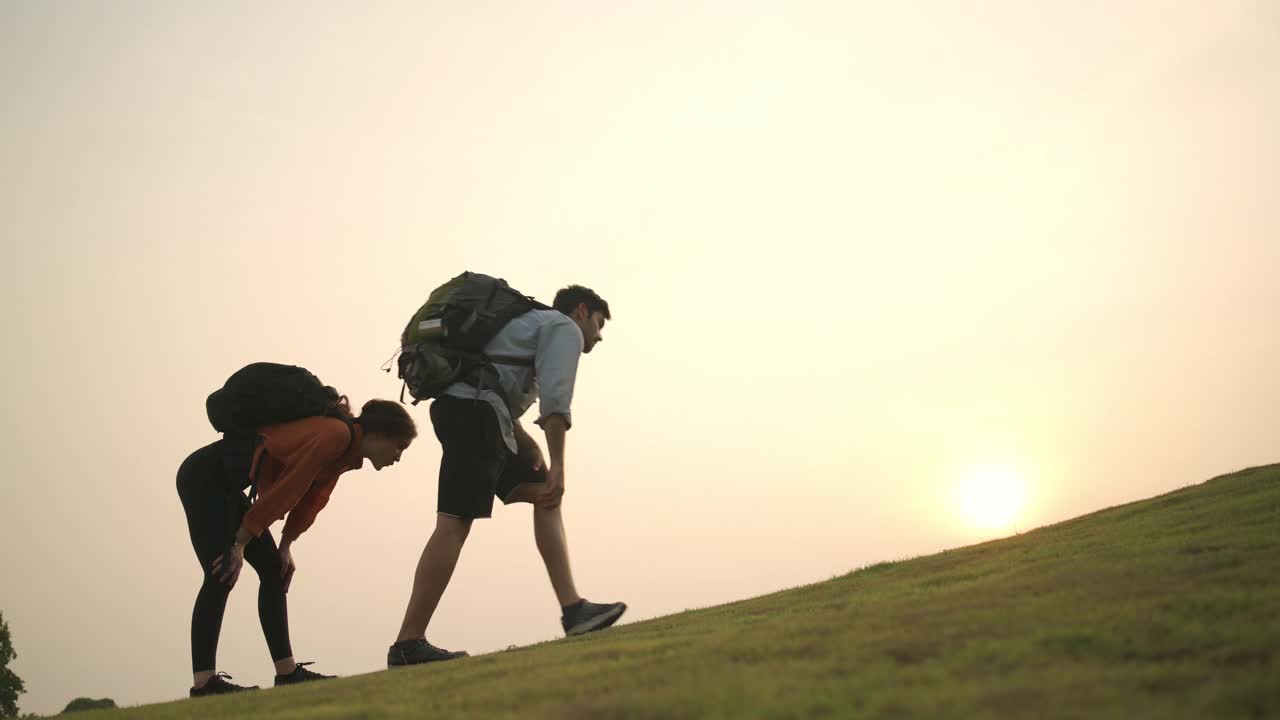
{"type": "Point", "coordinates": [555, 343]}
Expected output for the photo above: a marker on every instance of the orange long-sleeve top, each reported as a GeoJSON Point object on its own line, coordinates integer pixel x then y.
{"type": "Point", "coordinates": [296, 467]}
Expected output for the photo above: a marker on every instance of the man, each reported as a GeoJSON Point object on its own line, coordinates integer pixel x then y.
{"type": "Point", "coordinates": [487, 454]}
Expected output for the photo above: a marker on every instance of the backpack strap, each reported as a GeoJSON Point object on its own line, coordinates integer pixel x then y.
{"type": "Point", "coordinates": [253, 470]}
{"type": "Point", "coordinates": [351, 428]}
{"type": "Point", "coordinates": [508, 360]}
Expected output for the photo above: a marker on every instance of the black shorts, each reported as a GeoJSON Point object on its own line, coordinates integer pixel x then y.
{"type": "Point", "coordinates": [475, 465]}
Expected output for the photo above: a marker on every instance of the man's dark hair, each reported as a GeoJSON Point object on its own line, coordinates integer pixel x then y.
{"type": "Point", "coordinates": [385, 417]}
{"type": "Point", "coordinates": [569, 298]}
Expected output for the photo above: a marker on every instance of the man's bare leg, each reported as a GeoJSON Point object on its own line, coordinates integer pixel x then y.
{"type": "Point", "coordinates": [435, 568]}
{"type": "Point", "coordinates": [548, 534]}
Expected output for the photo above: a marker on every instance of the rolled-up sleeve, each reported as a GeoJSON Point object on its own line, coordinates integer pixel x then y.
{"type": "Point", "coordinates": [556, 365]}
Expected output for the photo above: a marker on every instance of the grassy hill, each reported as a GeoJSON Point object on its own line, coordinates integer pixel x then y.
{"type": "Point", "coordinates": [1164, 608]}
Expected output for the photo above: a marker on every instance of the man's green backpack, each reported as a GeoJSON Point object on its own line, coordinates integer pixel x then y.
{"type": "Point", "coordinates": [444, 341]}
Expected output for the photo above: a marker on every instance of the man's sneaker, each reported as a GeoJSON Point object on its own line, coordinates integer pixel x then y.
{"type": "Point", "coordinates": [583, 616]}
{"type": "Point", "coordinates": [416, 652]}
{"type": "Point", "coordinates": [218, 685]}
{"type": "Point", "coordinates": [301, 674]}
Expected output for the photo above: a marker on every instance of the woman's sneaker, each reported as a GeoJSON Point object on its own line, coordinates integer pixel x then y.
{"type": "Point", "coordinates": [301, 674]}
{"type": "Point", "coordinates": [218, 685]}
{"type": "Point", "coordinates": [416, 652]}
{"type": "Point", "coordinates": [584, 617]}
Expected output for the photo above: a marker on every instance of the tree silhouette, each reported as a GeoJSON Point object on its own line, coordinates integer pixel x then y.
{"type": "Point", "coordinates": [83, 703]}
{"type": "Point", "coordinates": [10, 685]}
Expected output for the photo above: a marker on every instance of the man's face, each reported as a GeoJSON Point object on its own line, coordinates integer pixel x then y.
{"type": "Point", "coordinates": [592, 326]}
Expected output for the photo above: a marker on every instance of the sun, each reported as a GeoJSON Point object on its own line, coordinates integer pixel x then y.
{"type": "Point", "coordinates": [992, 497]}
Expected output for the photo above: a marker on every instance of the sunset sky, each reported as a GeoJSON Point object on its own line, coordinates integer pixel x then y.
{"type": "Point", "coordinates": [886, 279]}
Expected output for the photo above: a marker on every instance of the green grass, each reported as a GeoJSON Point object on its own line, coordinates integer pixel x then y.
{"type": "Point", "coordinates": [1164, 608]}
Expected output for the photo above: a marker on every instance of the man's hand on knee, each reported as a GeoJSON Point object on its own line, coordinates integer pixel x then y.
{"type": "Point", "coordinates": [553, 489]}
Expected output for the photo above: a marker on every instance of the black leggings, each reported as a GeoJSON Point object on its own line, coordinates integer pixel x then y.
{"type": "Point", "coordinates": [214, 511]}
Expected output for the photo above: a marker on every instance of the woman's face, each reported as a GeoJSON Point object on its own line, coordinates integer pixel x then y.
{"type": "Point", "coordinates": [384, 450]}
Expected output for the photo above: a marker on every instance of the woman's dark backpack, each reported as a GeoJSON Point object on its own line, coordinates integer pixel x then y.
{"type": "Point", "coordinates": [265, 394]}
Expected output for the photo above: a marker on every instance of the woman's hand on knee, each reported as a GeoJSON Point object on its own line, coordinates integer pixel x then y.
{"type": "Point", "coordinates": [226, 567]}
{"type": "Point", "coordinates": [287, 566]}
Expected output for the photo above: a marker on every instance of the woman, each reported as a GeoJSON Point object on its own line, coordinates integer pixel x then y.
{"type": "Point", "coordinates": [295, 468]}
